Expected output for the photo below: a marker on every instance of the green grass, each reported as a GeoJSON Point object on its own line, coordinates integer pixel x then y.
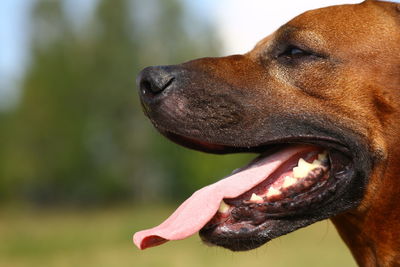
{"type": "Point", "coordinates": [104, 238]}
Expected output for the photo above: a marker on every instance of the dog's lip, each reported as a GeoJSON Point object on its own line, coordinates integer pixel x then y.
{"type": "Point", "coordinates": [325, 141]}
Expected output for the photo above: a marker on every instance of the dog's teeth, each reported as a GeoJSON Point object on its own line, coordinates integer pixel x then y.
{"type": "Point", "coordinates": [272, 192]}
{"type": "Point", "coordinates": [316, 162]}
{"type": "Point", "coordinates": [289, 181]}
{"type": "Point", "coordinates": [223, 207]}
{"type": "Point", "coordinates": [303, 167]}
{"type": "Point", "coordinates": [256, 198]}
{"type": "Point", "coordinates": [323, 156]}
{"type": "Point", "coordinates": [303, 164]}
{"type": "Point", "coordinates": [299, 172]}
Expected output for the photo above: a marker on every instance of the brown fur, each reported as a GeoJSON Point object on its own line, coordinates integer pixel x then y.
{"type": "Point", "coordinates": [369, 102]}
{"type": "Point", "coordinates": [353, 88]}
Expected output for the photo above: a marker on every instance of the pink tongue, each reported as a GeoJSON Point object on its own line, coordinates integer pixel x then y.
{"type": "Point", "coordinates": [197, 210]}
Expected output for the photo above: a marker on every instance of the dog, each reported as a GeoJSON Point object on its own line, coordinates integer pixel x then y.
{"type": "Point", "coordinates": [319, 100]}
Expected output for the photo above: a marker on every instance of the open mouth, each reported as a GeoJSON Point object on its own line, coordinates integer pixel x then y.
{"type": "Point", "coordinates": [288, 181]}
{"type": "Point", "coordinates": [296, 183]}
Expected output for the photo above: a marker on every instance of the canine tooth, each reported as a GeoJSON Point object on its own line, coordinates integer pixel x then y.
{"type": "Point", "coordinates": [289, 181]}
{"type": "Point", "coordinates": [256, 198]}
{"type": "Point", "coordinates": [273, 192]}
{"type": "Point", "coordinates": [223, 207]}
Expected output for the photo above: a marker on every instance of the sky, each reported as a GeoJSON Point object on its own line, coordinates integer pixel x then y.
{"type": "Point", "coordinates": [13, 44]}
{"type": "Point", "coordinates": [240, 24]}
{"type": "Point", "coordinates": [14, 41]}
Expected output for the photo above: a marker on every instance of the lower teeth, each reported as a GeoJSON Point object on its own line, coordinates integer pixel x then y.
{"type": "Point", "coordinates": [305, 174]}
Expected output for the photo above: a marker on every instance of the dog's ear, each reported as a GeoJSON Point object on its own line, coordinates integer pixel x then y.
{"type": "Point", "coordinates": [394, 3]}
{"type": "Point", "coordinates": [393, 6]}
{"type": "Point", "coordinates": [397, 6]}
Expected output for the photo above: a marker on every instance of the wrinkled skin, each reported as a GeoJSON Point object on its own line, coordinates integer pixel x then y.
{"type": "Point", "coordinates": [329, 76]}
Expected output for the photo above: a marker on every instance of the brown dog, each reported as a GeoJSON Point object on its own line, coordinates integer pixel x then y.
{"type": "Point", "coordinates": [323, 89]}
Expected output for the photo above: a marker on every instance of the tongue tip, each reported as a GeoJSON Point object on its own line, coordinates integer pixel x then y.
{"type": "Point", "coordinates": [148, 241]}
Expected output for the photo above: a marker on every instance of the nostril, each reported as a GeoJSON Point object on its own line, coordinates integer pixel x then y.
{"type": "Point", "coordinates": [157, 85]}
{"type": "Point", "coordinates": [169, 82]}
{"type": "Point", "coordinates": [154, 80]}
{"type": "Point", "coordinates": [160, 82]}
{"type": "Point", "coordinates": [146, 86]}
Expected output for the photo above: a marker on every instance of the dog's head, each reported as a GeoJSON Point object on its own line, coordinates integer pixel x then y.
{"type": "Point", "coordinates": [320, 88]}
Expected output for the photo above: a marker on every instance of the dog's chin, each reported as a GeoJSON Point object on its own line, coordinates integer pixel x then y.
{"type": "Point", "coordinates": [248, 221]}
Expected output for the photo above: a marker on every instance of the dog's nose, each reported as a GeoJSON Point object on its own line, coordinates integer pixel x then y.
{"type": "Point", "coordinates": [153, 80]}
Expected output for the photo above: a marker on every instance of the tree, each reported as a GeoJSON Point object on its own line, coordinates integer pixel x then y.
{"type": "Point", "coordinates": [78, 134]}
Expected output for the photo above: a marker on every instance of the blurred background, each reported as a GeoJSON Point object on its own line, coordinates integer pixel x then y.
{"type": "Point", "coordinates": [81, 168]}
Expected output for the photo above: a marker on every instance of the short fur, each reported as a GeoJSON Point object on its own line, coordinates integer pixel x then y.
{"type": "Point", "coordinates": [346, 89]}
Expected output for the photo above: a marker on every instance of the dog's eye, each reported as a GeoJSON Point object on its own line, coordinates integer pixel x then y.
{"type": "Point", "coordinates": [293, 52]}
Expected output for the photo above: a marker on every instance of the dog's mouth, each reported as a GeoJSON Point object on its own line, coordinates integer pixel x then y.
{"type": "Point", "coordinates": [294, 182]}
{"type": "Point", "coordinates": [299, 187]}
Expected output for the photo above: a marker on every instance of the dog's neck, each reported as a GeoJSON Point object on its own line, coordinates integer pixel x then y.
{"type": "Point", "coordinates": [372, 231]}
{"type": "Point", "coordinates": [368, 237]}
